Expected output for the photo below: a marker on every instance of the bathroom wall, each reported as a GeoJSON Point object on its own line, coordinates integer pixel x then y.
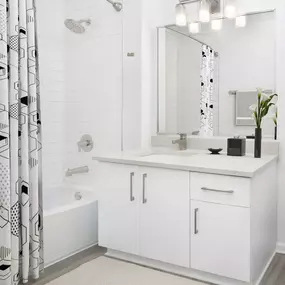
{"type": "Point", "coordinates": [81, 85]}
{"type": "Point", "coordinates": [52, 78]}
{"type": "Point", "coordinates": [154, 14]}
{"type": "Point", "coordinates": [93, 89]}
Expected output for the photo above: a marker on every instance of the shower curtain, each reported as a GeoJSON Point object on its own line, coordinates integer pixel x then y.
{"type": "Point", "coordinates": [21, 227]}
{"type": "Point", "coordinates": [207, 91]}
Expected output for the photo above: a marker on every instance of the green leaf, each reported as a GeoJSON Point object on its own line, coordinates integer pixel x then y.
{"type": "Point", "coordinates": [264, 112]}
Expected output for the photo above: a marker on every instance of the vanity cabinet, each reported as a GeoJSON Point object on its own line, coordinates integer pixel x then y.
{"type": "Point", "coordinates": [117, 212]}
{"type": "Point", "coordinates": [220, 240]}
{"type": "Point", "coordinates": [213, 227]}
{"type": "Point", "coordinates": [145, 211]}
{"type": "Point", "coordinates": [233, 224]}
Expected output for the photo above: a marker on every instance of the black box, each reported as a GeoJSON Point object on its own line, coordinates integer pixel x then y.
{"type": "Point", "coordinates": [236, 147]}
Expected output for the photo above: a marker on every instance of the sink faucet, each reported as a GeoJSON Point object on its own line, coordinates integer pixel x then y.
{"type": "Point", "coordinates": [182, 142]}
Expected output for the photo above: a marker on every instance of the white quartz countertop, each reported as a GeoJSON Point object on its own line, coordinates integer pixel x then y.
{"type": "Point", "coordinates": [192, 160]}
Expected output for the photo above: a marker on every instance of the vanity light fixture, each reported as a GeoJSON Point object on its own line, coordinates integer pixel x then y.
{"type": "Point", "coordinates": [204, 12]}
{"type": "Point", "coordinates": [194, 28]}
{"type": "Point", "coordinates": [225, 8]}
{"type": "Point", "coordinates": [217, 24]}
{"type": "Point", "coordinates": [241, 21]}
{"type": "Point", "coordinates": [230, 9]}
{"type": "Point", "coordinates": [181, 18]}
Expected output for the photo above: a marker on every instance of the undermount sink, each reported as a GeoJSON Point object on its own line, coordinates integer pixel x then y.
{"type": "Point", "coordinates": [171, 154]}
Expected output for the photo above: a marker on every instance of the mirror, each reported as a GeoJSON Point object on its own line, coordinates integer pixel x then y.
{"type": "Point", "coordinates": [208, 80]}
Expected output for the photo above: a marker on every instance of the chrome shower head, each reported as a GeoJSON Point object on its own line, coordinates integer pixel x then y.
{"type": "Point", "coordinates": [77, 26]}
{"type": "Point", "coordinates": [118, 6]}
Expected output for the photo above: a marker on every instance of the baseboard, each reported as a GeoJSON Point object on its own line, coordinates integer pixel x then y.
{"type": "Point", "coordinates": [265, 268]}
{"type": "Point", "coordinates": [204, 277]}
{"type": "Point", "coordinates": [280, 248]}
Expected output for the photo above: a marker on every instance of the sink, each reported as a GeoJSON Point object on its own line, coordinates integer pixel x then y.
{"type": "Point", "coordinates": [170, 154]}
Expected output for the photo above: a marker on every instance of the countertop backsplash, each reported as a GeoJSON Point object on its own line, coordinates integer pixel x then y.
{"type": "Point", "coordinates": [269, 146]}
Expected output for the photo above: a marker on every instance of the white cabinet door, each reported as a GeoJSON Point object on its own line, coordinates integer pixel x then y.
{"type": "Point", "coordinates": [118, 204]}
{"type": "Point", "coordinates": [164, 215]}
{"type": "Point", "coordinates": [220, 240]}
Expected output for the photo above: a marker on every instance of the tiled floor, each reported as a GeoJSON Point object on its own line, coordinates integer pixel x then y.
{"type": "Point", "coordinates": [109, 271]}
{"type": "Point", "coordinates": [69, 264]}
{"type": "Point", "coordinates": [275, 274]}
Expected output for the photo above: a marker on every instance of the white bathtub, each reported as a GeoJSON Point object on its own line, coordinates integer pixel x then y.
{"type": "Point", "coordinates": [70, 225]}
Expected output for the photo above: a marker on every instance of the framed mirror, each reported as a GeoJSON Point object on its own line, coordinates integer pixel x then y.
{"type": "Point", "coordinates": [208, 80]}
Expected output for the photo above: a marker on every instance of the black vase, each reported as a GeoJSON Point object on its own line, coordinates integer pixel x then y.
{"type": "Point", "coordinates": [257, 143]}
{"type": "Point", "coordinates": [275, 133]}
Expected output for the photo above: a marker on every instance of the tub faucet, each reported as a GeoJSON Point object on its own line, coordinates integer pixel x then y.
{"type": "Point", "coordinates": [182, 142]}
{"type": "Point", "coordinates": [78, 170]}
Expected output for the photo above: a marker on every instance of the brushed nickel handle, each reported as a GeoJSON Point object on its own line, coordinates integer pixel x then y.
{"type": "Point", "coordinates": [217, 190]}
{"type": "Point", "coordinates": [144, 193]}
{"type": "Point", "coordinates": [132, 198]}
{"type": "Point", "coordinates": [196, 231]}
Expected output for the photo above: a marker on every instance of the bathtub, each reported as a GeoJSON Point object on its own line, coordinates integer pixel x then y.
{"type": "Point", "coordinates": [70, 222]}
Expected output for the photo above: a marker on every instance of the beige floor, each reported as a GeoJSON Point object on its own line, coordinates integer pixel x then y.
{"type": "Point", "coordinates": [107, 271]}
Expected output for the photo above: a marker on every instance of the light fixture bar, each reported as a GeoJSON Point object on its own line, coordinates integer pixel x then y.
{"type": "Point", "coordinates": [215, 5]}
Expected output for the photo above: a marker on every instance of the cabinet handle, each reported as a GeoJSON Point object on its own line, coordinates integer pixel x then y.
{"type": "Point", "coordinates": [216, 190]}
{"type": "Point", "coordinates": [144, 194]}
{"type": "Point", "coordinates": [132, 198]}
{"type": "Point", "coordinates": [195, 221]}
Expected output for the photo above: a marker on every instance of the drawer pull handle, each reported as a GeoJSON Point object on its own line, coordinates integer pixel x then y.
{"type": "Point", "coordinates": [216, 190]}
{"type": "Point", "coordinates": [144, 184]}
{"type": "Point", "coordinates": [132, 198]}
{"type": "Point", "coordinates": [195, 221]}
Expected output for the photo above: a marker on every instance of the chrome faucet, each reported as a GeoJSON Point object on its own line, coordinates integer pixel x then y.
{"type": "Point", "coordinates": [78, 170]}
{"type": "Point", "coordinates": [182, 142]}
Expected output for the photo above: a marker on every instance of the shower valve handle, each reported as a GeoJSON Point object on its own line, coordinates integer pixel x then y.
{"type": "Point", "coordinates": [86, 144]}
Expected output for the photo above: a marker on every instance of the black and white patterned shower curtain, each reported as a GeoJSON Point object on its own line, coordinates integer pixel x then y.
{"type": "Point", "coordinates": [21, 227]}
{"type": "Point", "coordinates": [207, 91]}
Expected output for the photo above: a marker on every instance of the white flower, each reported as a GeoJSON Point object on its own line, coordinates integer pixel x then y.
{"type": "Point", "coordinates": [253, 107]}
{"type": "Point", "coordinates": [259, 90]}
{"type": "Point", "coordinates": [264, 96]}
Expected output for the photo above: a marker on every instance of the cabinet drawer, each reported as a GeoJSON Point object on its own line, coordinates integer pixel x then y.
{"type": "Point", "coordinates": [227, 190]}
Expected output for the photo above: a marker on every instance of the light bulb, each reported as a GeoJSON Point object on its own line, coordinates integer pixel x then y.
{"type": "Point", "coordinates": [217, 24]}
{"type": "Point", "coordinates": [194, 28]}
{"type": "Point", "coordinates": [204, 13]}
{"type": "Point", "coordinates": [241, 21]}
{"type": "Point", "coordinates": [181, 19]}
{"type": "Point", "coordinates": [230, 11]}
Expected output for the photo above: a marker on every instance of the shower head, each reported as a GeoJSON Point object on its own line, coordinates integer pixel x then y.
{"type": "Point", "coordinates": [77, 26]}
{"type": "Point", "coordinates": [117, 5]}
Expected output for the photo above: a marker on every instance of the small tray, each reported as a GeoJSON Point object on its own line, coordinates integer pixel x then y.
{"type": "Point", "coordinates": [215, 151]}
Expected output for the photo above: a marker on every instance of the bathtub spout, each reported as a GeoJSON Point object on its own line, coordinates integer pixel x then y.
{"type": "Point", "coordinates": [78, 170]}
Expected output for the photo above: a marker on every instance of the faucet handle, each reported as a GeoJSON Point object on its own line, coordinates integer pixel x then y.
{"type": "Point", "coordinates": [183, 136]}
{"type": "Point", "coordinates": [86, 143]}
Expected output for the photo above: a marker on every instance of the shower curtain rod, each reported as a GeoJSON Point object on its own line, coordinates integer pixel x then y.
{"type": "Point", "coordinates": [181, 33]}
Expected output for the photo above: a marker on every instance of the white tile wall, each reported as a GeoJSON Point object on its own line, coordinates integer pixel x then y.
{"type": "Point", "coordinates": [81, 84]}
{"type": "Point", "coordinates": [93, 62]}
{"type": "Point", "coordinates": [52, 73]}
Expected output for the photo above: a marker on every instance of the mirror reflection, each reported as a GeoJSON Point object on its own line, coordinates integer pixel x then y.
{"type": "Point", "coordinates": [208, 79]}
